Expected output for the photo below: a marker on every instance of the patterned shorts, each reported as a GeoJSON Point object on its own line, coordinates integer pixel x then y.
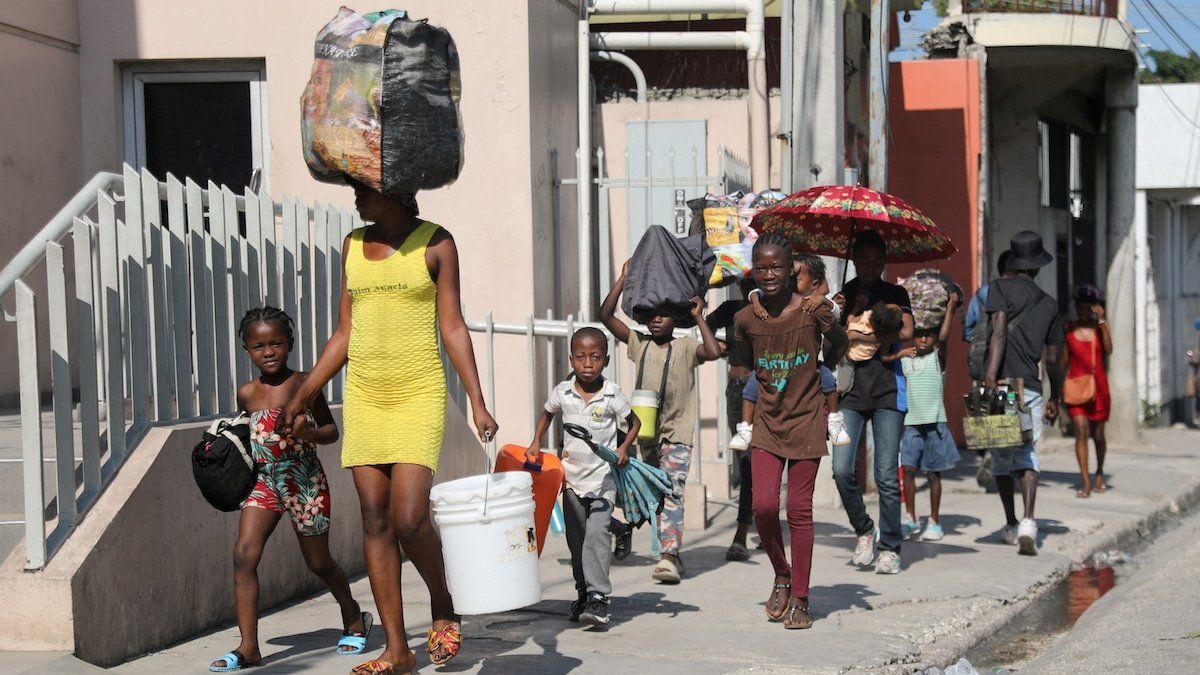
{"type": "Point", "coordinates": [296, 486]}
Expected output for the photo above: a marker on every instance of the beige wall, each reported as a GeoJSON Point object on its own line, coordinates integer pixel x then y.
{"type": "Point", "coordinates": [728, 127]}
{"type": "Point", "coordinates": [39, 137]}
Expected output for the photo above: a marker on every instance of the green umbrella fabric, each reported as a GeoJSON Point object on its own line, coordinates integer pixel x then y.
{"type": "Point", "coordinates": [640, 487]}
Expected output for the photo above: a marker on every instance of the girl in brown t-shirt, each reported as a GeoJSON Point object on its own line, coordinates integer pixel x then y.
{"type": "Point", "coordinates": [789, 424]}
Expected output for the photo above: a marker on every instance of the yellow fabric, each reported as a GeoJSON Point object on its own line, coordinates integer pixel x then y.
{"type": "Point", "coordinates": [395, 404]}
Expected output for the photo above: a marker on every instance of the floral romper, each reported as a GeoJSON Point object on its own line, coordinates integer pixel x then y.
{"type": "Point", "coordinates": [290, 477]}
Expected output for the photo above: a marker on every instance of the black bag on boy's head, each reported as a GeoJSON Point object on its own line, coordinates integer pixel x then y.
{"type": "Point", "coordinates": [222, 465]}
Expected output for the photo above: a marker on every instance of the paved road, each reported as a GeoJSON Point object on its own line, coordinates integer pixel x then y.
{"type": "Point", "coordinates": [950, 594]}
{"type": "Point", "coordinates": [1149, 624]}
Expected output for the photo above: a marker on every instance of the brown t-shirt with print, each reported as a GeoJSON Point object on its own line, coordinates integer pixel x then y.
{"type": "Point", "coordinates": [789, 419]}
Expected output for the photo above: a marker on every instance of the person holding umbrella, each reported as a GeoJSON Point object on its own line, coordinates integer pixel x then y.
{"type": "Point", "coordinates": [872, 229]}
{"type": "Point", "coordinates": [877, 395]}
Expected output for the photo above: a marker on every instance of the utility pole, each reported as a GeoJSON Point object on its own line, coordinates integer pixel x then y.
{"type": "Point", "coordinates": [878, 86]}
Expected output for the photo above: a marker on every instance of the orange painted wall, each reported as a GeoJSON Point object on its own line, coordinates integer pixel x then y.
{"type": "Point", "coordinates": [933, 163]}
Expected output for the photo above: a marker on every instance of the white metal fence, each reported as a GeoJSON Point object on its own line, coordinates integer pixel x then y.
{"type": "Point", "coordinates": [146, 282]}
{"type": "Point", "coordinates": [554, 336]}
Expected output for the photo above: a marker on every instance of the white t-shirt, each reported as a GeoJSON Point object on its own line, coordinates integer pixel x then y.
{"type": "Point", "coordinates": [585, 472]}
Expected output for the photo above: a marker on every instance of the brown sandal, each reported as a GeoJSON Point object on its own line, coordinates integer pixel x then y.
{"type": "Point", "coordinates": [779, 604]}
{"type": "Point", "coordinates": [449, 638]}
{"type": "Point", "coordinates": [797, 617]}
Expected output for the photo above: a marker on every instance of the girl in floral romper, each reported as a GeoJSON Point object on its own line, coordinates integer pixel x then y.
{"type": "Point", "coordinates": [291, 481]}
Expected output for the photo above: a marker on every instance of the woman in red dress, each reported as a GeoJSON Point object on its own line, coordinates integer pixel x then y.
{"type": "Point", "coordinates": [1088, 342]}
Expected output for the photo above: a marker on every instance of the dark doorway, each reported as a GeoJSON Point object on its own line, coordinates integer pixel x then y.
{"type": "Point", "coordinates": [199, 130]}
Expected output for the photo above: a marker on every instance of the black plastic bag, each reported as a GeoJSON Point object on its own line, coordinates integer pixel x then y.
{"type": "Point", "coordinates": [665, 273]}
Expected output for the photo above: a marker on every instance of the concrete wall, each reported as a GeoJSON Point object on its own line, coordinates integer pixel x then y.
{"type": "Point", "coordinates": [518, 106]}
{"type": "Point", "coordinates": [939, 174]}
{"type": "Point", "coordinates": [153, 554]}
{"type": "Point", "coordinates": [39, 136]}
{"type": "Point", "coordinates": [1168, 145]}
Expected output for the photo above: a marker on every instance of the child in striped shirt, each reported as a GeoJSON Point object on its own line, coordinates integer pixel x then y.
{"type": "Point", "coordinates": [926, 444]}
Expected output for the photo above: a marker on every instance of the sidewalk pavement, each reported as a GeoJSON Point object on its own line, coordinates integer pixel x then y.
{"type": "Point", "coordinates": [950, 594]}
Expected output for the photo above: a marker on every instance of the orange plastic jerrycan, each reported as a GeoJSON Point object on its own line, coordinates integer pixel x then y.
{"type": "Point", "coordinates": [547, 483]}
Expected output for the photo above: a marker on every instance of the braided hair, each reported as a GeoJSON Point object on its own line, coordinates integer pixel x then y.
{"type": "Point", "coordinates": [772, 240]}
{"type": "Point", "coordinates": [267, 315]}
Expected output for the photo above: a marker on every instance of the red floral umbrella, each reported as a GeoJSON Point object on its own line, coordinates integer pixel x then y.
{"type": "Point", "coordinates": [823, 220]}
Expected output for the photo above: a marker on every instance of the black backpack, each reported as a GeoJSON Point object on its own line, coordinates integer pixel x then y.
{"type": "Point", "coordinates": [221, 463]}
{"type": "Point", "coordinates": [977, 352]}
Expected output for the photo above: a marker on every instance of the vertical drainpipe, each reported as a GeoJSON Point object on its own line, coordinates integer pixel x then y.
{"type": "Point", "coordinates": [760, 117]}
{"type": "Point", "coordinates": [787, 33]}
{"type": "Point", "coordinates": [877, 98]}
{"type": "Point", "coordinates": [583, 169]}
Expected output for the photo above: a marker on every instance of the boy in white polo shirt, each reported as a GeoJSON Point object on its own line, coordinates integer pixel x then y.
{"type": "Point", "coordinates": [591, 401]}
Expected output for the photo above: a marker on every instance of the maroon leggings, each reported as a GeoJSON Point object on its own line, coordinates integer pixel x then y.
{"type": "Point", "coordinates": [767, 471]}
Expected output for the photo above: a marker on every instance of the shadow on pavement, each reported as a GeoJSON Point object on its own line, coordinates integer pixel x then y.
{"type": "Point", "coordinates": [826, 600]}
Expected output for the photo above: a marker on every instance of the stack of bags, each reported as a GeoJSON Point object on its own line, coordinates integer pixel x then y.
{"type": "Point", "coordinates": [929, 292]}
{"type": "Point", "coordinates": [381, 105]}
{"type": "Point", "coordinates": [725, 222]}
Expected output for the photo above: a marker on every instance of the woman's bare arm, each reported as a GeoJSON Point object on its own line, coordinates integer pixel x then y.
{"type": "Point", "coordinates": [455, 336]}
{"type": "Point", "coordinates": [333, 356]}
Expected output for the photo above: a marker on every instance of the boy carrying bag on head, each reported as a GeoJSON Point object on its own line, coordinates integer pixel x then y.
{"type": "Point", "coordinates": [670, 362]}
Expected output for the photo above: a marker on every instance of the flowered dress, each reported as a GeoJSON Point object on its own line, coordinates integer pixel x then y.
{"type": "Point", "coordinates": [290, 477]}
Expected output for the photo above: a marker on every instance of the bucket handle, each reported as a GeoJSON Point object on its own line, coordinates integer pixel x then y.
{"type": "Point", "coordinates": [489, 458]}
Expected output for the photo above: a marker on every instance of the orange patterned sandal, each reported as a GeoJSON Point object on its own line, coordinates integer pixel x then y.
{"type": "Point", "coordinates": [445, 643]}
{"type": "Point", "coordinates": [374, 667]}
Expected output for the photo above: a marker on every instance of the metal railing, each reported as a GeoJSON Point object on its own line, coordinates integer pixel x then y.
{"type": "Point", "coordinates": [553, 335]}
{"type": "Point", "coordinates": [1104, 8]}
{"type": "Point", "coordinates": [146, 282]}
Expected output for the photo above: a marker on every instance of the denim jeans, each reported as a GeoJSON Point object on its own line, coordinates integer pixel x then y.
{"type": "Point", "coordinates": [888, 426]}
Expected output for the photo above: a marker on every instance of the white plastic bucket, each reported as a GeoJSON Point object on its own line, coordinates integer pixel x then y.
{"type": "Point", "coordinates": [490, 553]}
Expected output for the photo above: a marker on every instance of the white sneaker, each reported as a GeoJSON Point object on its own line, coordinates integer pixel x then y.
{"type": "Point", "coordinates": [864, 550]}
{"type": "Point", "coordinates": [1027, 533]}
{"type": "Point", "coordinates": [933, 532]}
{"type": "Point", "coordinates": [741, 439]}
{"type": "Point", "coordinates": [1010, 535]}
{"type": "Point", "coordinates": [837, 429]}
{"type": "Point", "coordinates": [888, 563]}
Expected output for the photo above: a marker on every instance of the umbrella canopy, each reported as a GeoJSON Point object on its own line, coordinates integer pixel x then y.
{"type": "Point", "coordinates": [640, 487]}
{"type": "Point", "coordinates": [823, 220]}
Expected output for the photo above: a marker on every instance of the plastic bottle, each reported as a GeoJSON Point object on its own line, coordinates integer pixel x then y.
{"type": "Point", "coordinates": [1010, 404]}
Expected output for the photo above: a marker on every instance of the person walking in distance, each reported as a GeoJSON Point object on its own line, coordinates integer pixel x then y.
{"type": "Point", "coordinates": [1025, 330]}
{"type": "Point", "coordinates": [877, 395]}
{"type": "Point", "coordinates": [1085, 390]}
{"type": "Point", "coordinates": [977, 313]}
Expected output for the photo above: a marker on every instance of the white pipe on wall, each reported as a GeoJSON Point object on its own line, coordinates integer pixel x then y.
{"type": "Point", "coordinates": [752, 40]}
{"type": "Point", "coordinates": [583, 171]}
{"type": "Point", "coordinates": [672, 40]}
{"type": "Point", "coordinates": [639, 78]}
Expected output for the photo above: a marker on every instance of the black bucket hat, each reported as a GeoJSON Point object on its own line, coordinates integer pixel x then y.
{"type": "Point", "coordinates": [1028, 253]}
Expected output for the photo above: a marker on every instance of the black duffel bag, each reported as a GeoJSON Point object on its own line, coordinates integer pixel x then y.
{"type": "Point", "coordinates": [221, 463]}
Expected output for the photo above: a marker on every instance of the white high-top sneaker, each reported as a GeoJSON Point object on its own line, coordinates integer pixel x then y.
{"type": "Point", "coordinates": [741, 440]}
{"type": "Point", "coordinates": [837, 429]}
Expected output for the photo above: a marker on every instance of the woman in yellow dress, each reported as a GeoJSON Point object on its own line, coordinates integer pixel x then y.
{"type": "Point", "coordinates": [400, 285]}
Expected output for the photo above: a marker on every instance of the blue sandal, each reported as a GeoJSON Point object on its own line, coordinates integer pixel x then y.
{"type": "Point", "coordinates": [356, 641]}
{"type": "Point", "coordinates": [233, 661]}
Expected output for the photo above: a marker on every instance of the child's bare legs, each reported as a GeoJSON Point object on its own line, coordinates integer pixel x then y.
{"type": "Point", "coordinates": [254, 528]}
{"type": "Point", "coordinates": [935, 494]}
{"type": "Point", "coordinates": [316, 554]}
{"type": "Point", "coordinates": [831, 401]}
{"type": "Point", "coordinates": [1081, 456]}
{"type": "Point", "coordinates": [910, 492]}
{"type": "Point", "coordinates": [1101, 450]}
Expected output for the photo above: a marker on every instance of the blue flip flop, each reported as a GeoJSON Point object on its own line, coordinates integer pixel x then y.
{"type": "Point", "coordinates": [357, 641]}
{"type": "Point", "coordinates": [233, 661]}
